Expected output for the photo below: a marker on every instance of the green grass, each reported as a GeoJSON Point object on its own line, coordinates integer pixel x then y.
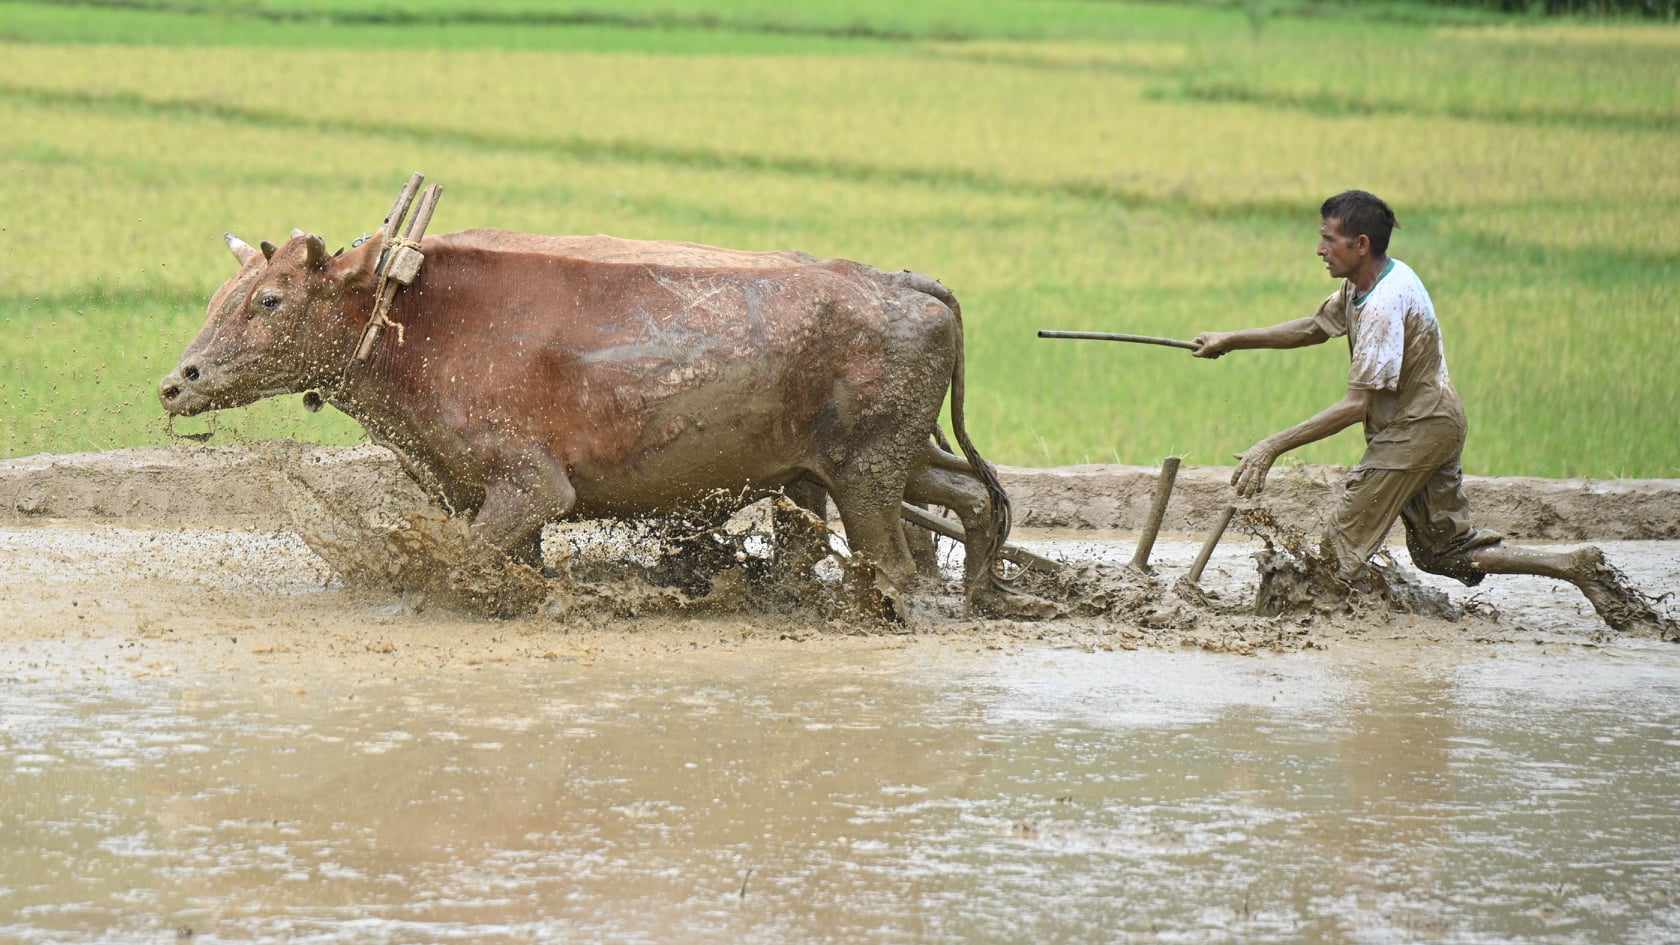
{"type": "Point", "coordinates": [1077, 165]}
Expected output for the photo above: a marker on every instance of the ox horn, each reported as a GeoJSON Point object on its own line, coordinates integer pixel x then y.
{"type": "Point", "coordinates": [241, 250]}
{"type": "Point", "coordinates": [267, 249]}
{"type": "Point", "coordinates": [317, 250]}
{"type": "Point", "coordinates": [297, 233]}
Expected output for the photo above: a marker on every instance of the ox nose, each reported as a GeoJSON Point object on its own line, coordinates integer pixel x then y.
{"type": "Point", "coordinates": [170, 388]}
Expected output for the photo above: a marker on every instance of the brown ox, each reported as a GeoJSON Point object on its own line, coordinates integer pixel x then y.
{"type": "Point", "coordinates": [544, 377]}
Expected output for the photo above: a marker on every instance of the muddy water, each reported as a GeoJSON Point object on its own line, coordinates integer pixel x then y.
{"type": "Point", "coordinates": [906, 792]}
{"type": "Point", "coordinates": [204, 737]}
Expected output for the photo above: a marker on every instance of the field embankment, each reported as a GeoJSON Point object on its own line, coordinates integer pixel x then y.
{"type": "Point", "coordinates": [238, 488]}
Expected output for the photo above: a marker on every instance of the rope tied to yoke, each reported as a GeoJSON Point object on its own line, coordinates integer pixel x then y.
{"type": "Point", "coordinates": [399, 261]}
{"type": "Point", "coordinates": [382, 302]}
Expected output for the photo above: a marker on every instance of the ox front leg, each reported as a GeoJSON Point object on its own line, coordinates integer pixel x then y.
{"type": "Point", "coordinates": [529, 494]}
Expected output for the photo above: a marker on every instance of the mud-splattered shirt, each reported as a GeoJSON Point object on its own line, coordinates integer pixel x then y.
{"type": "Point", "coordinates": [1396, 352]}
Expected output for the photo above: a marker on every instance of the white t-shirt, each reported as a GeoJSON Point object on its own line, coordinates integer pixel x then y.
{"type": "Point", "coordinates": [1395, 351]}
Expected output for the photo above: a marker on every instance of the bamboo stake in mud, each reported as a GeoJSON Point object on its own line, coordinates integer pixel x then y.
{"type": "Point", "coordinates": [1195, 575]}
{"type": "Point", "coordinates": [1152, 527]}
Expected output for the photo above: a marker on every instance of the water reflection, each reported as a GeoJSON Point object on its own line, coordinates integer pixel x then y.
{"type": "Point", "coordinates": [899, 796]}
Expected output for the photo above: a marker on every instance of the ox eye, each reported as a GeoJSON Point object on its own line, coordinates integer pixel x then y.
{"type": "Point", "coordinates": [271, 302]}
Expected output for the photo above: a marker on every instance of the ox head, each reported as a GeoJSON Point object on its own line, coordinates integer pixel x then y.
{"type": "Point", "coordinates": [278, 326]}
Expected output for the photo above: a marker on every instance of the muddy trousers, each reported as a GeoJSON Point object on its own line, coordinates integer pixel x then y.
{"type": "Point", "coordinates": [1432, 503]}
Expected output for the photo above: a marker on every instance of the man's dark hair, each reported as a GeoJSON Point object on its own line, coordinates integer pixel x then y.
{"type": "Point", "coordinates": [1361, 214]}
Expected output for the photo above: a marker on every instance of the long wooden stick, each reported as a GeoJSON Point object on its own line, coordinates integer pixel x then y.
{"type": "Point", "coordinates": [1152, 527]}
{"type": "Point", "coordinates": [1195, 575]}
{"type": "Point", "coordinates": [1113, 336]}
{"type": "Point", "coordinates": [949, 529]}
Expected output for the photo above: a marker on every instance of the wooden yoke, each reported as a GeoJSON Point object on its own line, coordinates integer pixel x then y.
{"type": "Point", "coordinates": [399, 261]}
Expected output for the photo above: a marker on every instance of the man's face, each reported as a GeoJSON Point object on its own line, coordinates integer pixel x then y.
{"type": "Point", "coordinates": [1341, 254]}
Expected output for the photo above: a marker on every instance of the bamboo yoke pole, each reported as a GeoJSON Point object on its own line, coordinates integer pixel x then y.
{"type": "Point", "coordinates": [1152, 527]}
{"type": "Point", "coordinates": [401, 260]}
{"type": "Point", "coordinates": [423, 216]}
{"type": "Point", "coordinates": [394, 219]}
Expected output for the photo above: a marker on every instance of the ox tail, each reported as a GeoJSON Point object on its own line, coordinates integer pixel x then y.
{"type": "Point", "coordinates": [1002, 514]}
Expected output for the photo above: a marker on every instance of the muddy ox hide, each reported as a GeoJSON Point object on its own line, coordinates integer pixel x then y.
{"type": "Point", "coordinates": [543, 377]}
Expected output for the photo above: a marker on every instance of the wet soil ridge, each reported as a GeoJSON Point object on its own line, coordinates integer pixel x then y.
{"type": "Point", "coordinates": [238, 487]}
{"type": "Point", "coordinates": [1519, 507]}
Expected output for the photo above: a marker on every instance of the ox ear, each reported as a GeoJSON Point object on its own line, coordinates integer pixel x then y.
{"type": "Point", "coordinates": [356, 269]}
{"type": "Point", "coordinates": [241, 250]}
{"type": "Point", "coordinates": [316, 252]}
{"type": "Point", "coordinates": [267, 250]}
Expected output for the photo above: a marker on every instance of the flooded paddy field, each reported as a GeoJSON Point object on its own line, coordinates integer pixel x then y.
{"type": "Point", "coordinates": [204, 736]}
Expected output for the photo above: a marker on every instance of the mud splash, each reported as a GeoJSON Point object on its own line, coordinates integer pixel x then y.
{"type": "Point", "coordinates": [727, 561]}
{"type": "Point", "coordinates": [1624, 607]}
{"type": "Point", "coordinates": [722, 560]}
{"type": "Point", "coordinates": [1296, 580]}
{"type": "Point", "coordinates": [401, 543]}
{"type": "Point", "coordinates": [716, 558]}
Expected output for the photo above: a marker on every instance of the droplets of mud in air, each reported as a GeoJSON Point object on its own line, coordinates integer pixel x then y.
{"type": "Point", "coordinates": [722, 559]}
{"type": "Point", "coordinates": [399, 541]}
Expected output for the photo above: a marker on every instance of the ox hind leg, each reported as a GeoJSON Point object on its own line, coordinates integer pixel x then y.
{"type": "Point", "coordinates": [879, 551]}
{"type": "Point", "coordinates": [924, 550]}
{"type": "Point", "coordinates": [965, 495]}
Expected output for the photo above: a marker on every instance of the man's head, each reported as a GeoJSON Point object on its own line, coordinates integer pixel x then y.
{"type": "Point", "coordinates": [1354, 229]}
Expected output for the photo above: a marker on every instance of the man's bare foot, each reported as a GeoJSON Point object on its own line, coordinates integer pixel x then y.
{"type": "Point", "coordinates": [1621, 605]}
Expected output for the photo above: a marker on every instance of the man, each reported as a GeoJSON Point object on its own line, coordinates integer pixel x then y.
{"type": "Point", "coordinates": [1399, 387]}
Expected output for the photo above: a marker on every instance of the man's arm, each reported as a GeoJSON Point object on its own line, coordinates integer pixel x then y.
{"type": "Point", "coordinates": [1250, 474]}
{"type": "Point", "coordinates": [1298, 333]}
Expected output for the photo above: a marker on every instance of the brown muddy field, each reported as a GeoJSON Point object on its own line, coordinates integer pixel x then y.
{"type": "Point", "coordinates": [208, 733]}
{"type": "Point", "coordinates": [333, 550]}
{"type": "Point", "coordinates": [118, 544]}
